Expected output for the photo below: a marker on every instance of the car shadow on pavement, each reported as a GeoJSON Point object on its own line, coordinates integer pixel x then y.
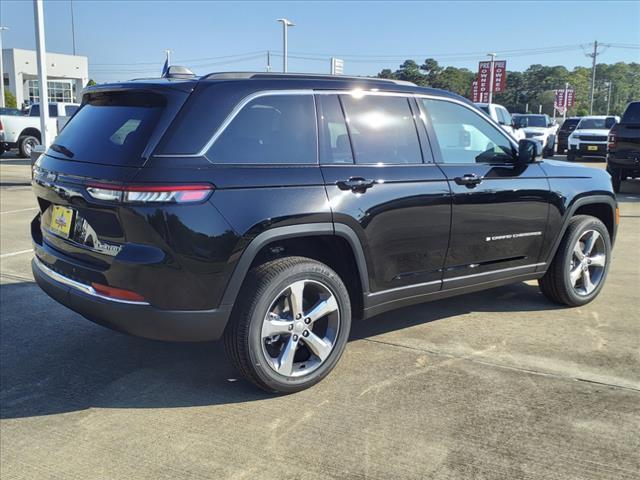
{"type": "Point", "coordinates": [54, 361]}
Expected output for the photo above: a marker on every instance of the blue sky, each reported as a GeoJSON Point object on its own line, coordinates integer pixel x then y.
{"type": "Point", "coordinates": [126, 39]}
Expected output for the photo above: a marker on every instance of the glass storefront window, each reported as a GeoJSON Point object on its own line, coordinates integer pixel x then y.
{"type": "Point", "coordinates": [59, 90]}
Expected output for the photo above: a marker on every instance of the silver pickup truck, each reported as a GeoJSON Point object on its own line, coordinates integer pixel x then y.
{"type": "Point", "coordinates": [23, 131]}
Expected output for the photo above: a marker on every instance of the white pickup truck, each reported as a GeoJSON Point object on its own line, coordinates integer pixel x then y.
{"type": "Point", "coordinates": [23, 131]}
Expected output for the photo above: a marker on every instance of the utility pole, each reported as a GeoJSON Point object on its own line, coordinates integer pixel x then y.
{"type": "Point", "coordinates": [594, 56]}
{"type": "Point", "coordinates": [2, 69]}
{"type": "Point", "coordinates": [566, 97]}
{"type": "Point", "coordinates": [73, 29]}
{"type": "Point", "coordinates": [38, 13]}
{"type": "Point", "coordinates": [268, 60]}
{"type": "Point", "coordinates": [493, 60]}
{"type": "Point", "coordinates": [285, 24]}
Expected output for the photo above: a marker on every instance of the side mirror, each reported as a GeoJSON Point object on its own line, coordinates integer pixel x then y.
{"type": "Point", "coordinates": [515, 124]}
{"type": "Point", "coordinates": [528, 151]}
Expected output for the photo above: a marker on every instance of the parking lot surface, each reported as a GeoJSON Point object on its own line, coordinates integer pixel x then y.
{"type": "Point", "coordinates": [495, 385]}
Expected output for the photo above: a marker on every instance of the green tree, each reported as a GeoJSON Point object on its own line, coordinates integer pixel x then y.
{"type": "Point", "coordinates": [91, 82]}
{"type": "Point", "coordinates": [9, 99]}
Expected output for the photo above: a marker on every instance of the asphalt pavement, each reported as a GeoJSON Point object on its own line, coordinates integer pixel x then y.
{"type": "Point", "coordinates": [499, 384]}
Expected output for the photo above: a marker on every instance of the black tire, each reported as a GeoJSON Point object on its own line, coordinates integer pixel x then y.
{"type": "Point", "coordinates": [26, 143]}
{"type": "Point", "coordinates": [556, 284]}
{"type": "Point", "coordinates": [548, 151]}
{"type": "Point", "coordinates": [243, 337]}
{"type": "Point", "coordinates": [616, 179]}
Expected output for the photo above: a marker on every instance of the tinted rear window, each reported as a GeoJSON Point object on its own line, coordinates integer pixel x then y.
{"type": "Point", "coordinates": [110, 128]}
{"type": "Point", "coordinates": [632, 114]}
{"type": "Point", "coordinates": [570, 123]}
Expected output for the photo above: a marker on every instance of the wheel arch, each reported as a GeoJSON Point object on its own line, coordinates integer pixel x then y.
{"type": "Point", "coordinates": [266, 245]}
{"type": "Point", "coordinates": [603, 207]}
{"type": "Point", "coordinates": [31, 131]}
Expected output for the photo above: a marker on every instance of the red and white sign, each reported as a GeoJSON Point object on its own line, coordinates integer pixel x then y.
{"type": "Point", "coordinates": [476, 95]}
{"type": "Point", "coordinates": [564, 99]}
{"type": "Point", "coordinates": [484, 72]}
{"type": "Point", "coordinates": [499, 75]}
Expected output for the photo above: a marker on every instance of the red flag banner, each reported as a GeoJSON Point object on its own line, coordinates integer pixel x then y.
{"type": "Point", "coordinates": [484, 70]}
{"type": "Point", "coordinates": [475, 92]}
{"type": "Point", "coordinates": [559, 100]}
{"type": "Point", "coordinates": [570, 97]}
{"type": "Point", "coordinates": [499, 75]}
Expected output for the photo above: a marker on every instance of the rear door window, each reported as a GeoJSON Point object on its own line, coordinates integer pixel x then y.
{"type": "Point", "coordinates": [632, 113]}
{"type": "Point", "coordinates": [274, 129]}
{"type": "Point", "coordinates": [111, 128]}
{"type": "Point", "coordinates": [382, 130]}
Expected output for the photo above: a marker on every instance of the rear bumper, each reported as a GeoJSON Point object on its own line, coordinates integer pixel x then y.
{"type": "Point", "coordinates": [135, 318]}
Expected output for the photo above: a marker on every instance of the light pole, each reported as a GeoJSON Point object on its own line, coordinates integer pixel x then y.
{"type": "Point", "coordinates": [285, 23]}
{"type": "Point", "coordinates": [609, 84]}
{"type": "Point", "coordinates": [493, 60]}
{"type": "Point", "coordinates": [1, 69]}
{"type": "Point", "coordinates": [38, 13]}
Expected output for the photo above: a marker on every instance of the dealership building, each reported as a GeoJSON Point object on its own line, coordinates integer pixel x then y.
{"type": "Point", "coordinates": [67, 75]}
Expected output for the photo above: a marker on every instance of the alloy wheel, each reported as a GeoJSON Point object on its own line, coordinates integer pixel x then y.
{"type": "Point", "coordinates": [300, 329]}
{"type": "Point", "coordinates": [588, 262]}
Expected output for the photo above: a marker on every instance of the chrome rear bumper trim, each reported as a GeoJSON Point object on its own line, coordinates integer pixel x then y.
{"type": "Point", "coordinates": [88, 289]}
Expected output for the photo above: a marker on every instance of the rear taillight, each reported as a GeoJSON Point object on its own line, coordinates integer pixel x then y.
{"type": "Point", "coordinates": [150, 193]}
{"type": "Point", "coordinates": [613, 141]}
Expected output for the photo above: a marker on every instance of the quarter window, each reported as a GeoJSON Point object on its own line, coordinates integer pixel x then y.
{"type": "Point", "coordinates": [464, 136]}
{"type": "Point", "coordinates": [275, 129]}
{"type": "Point", "coordinates": [382, 130]}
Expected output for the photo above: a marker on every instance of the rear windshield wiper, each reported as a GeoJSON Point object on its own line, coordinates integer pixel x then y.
{"type": "Point", "coordinates": [62, 149]}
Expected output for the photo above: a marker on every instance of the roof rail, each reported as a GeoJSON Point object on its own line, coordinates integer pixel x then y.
{"type": "Point", "coordinates": [301, 76]}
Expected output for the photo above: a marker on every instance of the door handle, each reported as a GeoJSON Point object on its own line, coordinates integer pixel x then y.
{"type": "Point", "coordinates": [355, 184]}
{"type": "Point", "coordinates": [470, 180]}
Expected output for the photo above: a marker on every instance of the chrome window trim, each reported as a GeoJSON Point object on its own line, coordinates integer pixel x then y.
{"type": "Point", "coordinates": [88, 289]}
{"type": "Point", "coordinates": [359, 92]}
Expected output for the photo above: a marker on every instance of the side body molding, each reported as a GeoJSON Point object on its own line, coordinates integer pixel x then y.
{"type": "Point", "coordinates": [281, 233]}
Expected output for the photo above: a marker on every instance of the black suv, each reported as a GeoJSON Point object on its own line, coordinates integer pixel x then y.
{"type": "Point", "coordinates": [623, 148]}
{"type": "Point", "coordinates": [568, 126]}
{"type": "Point", "coordinates": [272, 209]}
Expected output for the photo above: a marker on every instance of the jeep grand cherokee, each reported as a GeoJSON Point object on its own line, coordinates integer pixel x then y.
{"type": "Point", "coordinates": [271, 209]}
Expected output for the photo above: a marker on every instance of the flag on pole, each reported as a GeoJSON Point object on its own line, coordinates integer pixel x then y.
{"type": "Point", "coordinates": [165, 69]}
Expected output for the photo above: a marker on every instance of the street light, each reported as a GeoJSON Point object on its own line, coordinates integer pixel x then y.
{"type": "Point", "coordinates": [609, 84]}
{"type": "Point", "coordinates": [285, 23]}
{"type": "Point", "coordinates": [1, 69]}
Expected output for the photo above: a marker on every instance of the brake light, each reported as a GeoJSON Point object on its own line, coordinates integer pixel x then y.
{"type": "Point", "coordinates": [150, 193]}
{"type": "Point", "coordinates": [117, 293]}
{"type": "Point", "coordinates": [613, 141]}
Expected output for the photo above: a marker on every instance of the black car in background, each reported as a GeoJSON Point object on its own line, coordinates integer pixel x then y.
{"type": "Point", "coordinates": [246, 206]}
{"type": "Point", "coordinates": [568, 126]}
{"type": "Point", "coordinates": [623, 149]}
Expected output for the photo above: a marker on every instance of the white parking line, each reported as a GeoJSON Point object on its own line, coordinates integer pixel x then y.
{"type": "Point", "coordinates": [20, 210]}
{"type": "Point", "coordinates": [13, 254]}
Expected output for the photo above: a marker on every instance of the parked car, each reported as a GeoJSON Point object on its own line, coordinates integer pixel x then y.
{"type": "Point", "coordinates": [623, 153]}
{"type": "Point", "coordinates": [245, 206]}
{"type": "Point", "coordinates": [501, 116]}
{"type": "Point", "coordinates": [568, 126]}
{"type": "Point", "coordinates": [540, 128]}
{"type": "Point", "coordinates": [23, 131]}
{"type": "Point", "coordinates": [589, 139]}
